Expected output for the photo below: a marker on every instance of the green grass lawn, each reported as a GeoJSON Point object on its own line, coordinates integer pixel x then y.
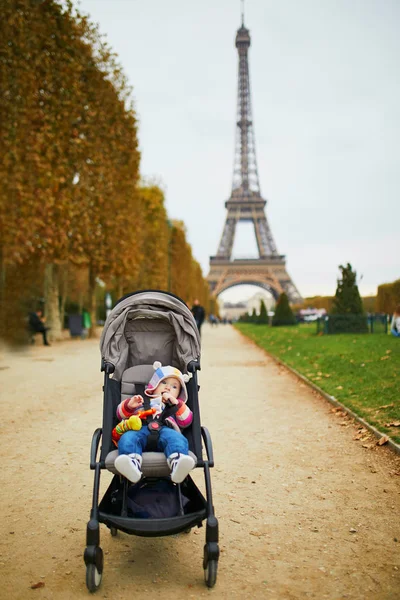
{"type": "Point", "coordinates": [360, 370]}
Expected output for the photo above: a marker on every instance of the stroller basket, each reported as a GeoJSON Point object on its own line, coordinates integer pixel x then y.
{"type": "Point", "coordinates": [142, 328]}
{"type": "Point", "coordinates": [111, 509]}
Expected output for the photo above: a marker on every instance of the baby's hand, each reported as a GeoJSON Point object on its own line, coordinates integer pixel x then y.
{"type": "Point", "coordinates": [169, 399]}
{"type": "Point", "coordinates": [135, 402]}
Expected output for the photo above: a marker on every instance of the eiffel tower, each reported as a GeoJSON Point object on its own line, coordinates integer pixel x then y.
{"type": "Point", "coordinates": [246, 204]}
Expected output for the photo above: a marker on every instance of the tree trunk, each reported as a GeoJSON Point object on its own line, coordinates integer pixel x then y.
{"type": "Point", "coordinates": [2, 282]}
{"type": "Point", "coordinates": [52, 305]}
{"type": "Point", "coordinates": [92, 301]}
{"type": "Point", "coordinates": [64, 270]}
{"type": "Point", "coordinates": [3, 307]}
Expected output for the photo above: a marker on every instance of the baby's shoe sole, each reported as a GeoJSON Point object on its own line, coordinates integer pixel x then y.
{"type": "Point", "coordinates": [184, 466]}
{"type": "Point", "coordinates": [126, 467]}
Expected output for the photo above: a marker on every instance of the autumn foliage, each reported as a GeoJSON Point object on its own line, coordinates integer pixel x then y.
{"type": "Point", "coordinates": [388, 296]}
{"type": "Point", "coordinates": [70, 201]}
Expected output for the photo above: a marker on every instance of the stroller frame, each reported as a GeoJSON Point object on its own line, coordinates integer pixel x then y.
{"type": "Point", "coordinates": [101, 512]}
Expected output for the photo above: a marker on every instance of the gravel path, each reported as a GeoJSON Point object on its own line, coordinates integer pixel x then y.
{"type": "Point", "coordinates": [305, 510]}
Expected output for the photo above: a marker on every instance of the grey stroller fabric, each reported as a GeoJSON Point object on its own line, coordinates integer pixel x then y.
{"type": "Point", "coordinates": [154, 463]}
{"type": "Point", "coordinates": [149, 326]}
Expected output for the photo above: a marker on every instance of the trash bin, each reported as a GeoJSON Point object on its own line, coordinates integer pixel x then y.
{"type": "Point", "coordinates": [75, 324]}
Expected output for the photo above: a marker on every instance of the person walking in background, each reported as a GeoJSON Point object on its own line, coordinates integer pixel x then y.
{"type": "Point", "coordinates": [213, 319]}
{"type": "Point", "coordinates": [395, 325]}
{"type": "Point", "coordinates": [199, 314]}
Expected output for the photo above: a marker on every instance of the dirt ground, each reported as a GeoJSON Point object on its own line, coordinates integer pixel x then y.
{"type": "Point", "coordinates": [305, 510]}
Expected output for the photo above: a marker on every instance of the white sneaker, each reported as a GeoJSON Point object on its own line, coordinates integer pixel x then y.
{"type": "Point", "coordinates": [129, 465]}
{"type": "Point", "coordinates": [180, 465]}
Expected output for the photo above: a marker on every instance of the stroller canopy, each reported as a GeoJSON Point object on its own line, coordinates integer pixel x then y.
{"type": "Point", "coordinates": [148, 326]}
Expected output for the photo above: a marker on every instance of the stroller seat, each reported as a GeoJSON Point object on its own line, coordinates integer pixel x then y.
{"type": "Point", "coordinates": [133, 382]}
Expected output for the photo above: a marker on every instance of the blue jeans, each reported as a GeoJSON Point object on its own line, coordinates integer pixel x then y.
{"type": "Point", "coordinates": [395, 333]}
{"type": "Point", "coordinates": [169, 441]}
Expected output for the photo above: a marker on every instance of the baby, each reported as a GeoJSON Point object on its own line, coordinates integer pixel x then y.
{"type": "Point", "coordinates": [166, 388]}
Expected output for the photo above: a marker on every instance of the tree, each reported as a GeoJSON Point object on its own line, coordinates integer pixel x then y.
{"type": "Point", "coordinates": [69, 167]}
{"type": "Point", "coordinates": [283, 313]}
{"type": "Point", "coordinates": [347, 298]}
{"type": "Point", "coordinates": [69, 151]}
{"type": "Point", "coordinates": [154, 249]}
{"type": "Point", "coordinates": [245, 318]}
{"type": "Point", "coordinates": [388, 296]}
{"type": "Point", "coordinates": [347, 314]}
{"type": "Point", "coordinates": [262, 318]}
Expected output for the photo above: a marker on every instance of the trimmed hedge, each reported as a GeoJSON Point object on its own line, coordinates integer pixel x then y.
{"type": "Point", "coordinates": [388, 297]}
{"type": "Point", "coordinates": [263, 316]}
{"type": "Point", "coordinates": [346, 324]}
{"type": "Point", "coordinates": [283, 313]}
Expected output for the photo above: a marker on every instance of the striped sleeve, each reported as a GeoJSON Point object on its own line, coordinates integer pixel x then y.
{"type": "Point", "coordinates": [123, 410]}
{"type": "Point", "coordinates": [184, 415]}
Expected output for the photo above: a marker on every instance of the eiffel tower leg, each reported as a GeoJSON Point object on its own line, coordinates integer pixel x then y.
{"type": "Point", "coordinates": [227, 238]}
{"type": "Point", "coordinates": [265, 241]}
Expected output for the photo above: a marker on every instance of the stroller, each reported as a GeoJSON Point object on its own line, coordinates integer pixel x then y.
{"type": "Point", "coordinates": [142, 328]}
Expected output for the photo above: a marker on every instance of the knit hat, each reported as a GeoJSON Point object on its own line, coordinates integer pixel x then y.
{"type": "Point", "coordinates": [162, 373]}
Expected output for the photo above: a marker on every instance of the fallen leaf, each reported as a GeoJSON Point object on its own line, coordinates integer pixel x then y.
{"type": "Point", "coordinates": [385, 406]}
{"type": "Point", "coordinates": [393, 424]}
{"type": "Point", "coordinates": [39, 584]}
{"type": "Point", "coordinates": [339, 387]}
{"type": "Point", "coordinates": [384, 439]}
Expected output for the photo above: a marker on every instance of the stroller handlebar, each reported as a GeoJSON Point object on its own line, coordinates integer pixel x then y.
{"type": "Point", "coordinates": [107, 367]}
{"type": "Point", "coordinates": [194, 366]}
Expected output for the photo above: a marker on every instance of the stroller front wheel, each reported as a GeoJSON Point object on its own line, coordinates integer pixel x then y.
{"type": "Point", "coordinates": [93, 578]}
{"type": "Point", "coordinates": [210, 573]}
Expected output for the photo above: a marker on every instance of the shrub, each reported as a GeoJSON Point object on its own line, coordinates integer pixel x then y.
{"type": "Point", "coordinates": [347, 314]}
{"type": "Point", "coordinates": [347, 299]}
{"type": "Point", "coordinates": [283, 313]}
{"type": "Point", "coordinates": [346, 324]}
{"type": "Point", "coordinates": [262, 318]}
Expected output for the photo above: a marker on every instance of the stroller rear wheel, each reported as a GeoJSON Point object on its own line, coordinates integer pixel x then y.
{"type": "Point", "coordinates": [210, 573]}
{"type": "Point", "coordinates": [93, 578]}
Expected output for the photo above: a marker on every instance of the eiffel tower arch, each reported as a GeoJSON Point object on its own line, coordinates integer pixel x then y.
{"type": "Point", "coordinates": [246, 204]}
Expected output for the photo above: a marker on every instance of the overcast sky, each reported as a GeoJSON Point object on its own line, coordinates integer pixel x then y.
{"type": "Point", "coordinates": [326, 95]}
